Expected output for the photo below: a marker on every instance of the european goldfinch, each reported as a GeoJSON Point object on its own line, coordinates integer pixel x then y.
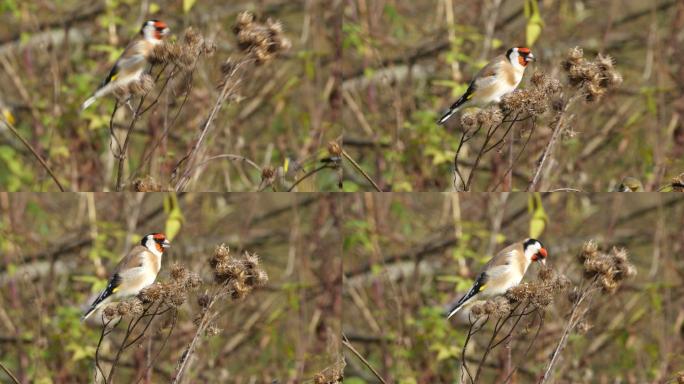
{"type": "Point", "coordinates": [498, 78]}
{"type": "Point", "coordinates": [502, 272]}
{"type": "Point", "coordinates": [133, 62]}
{"type": "Point", "coordinates": [134, 272]}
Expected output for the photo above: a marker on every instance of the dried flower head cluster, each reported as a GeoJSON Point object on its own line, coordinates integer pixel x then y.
{"type": "Point", "coordinates": [133, 307]}
{"type": "Point", "coordinates": [539, 293]}
{"type": "Point", "coordinates": [175, 291]}
{"type": "Point", "coordinates": [262, 40]}
{"type": "Point", "coordinates": [184, 54]}
{"type": "Point", "coordinates": [496, 307]}
{"type": "Point", "coordinates": [609, 269]}
{"type": "Point", "coordinates": [482, 118]}
{"type": "Point", "coordinates": [534, 100]}
{"type": "Point", "coordinates": [239, 274]}
{"type": "Point", "coordinates": [594, 78]}
{"type": "Point", "coordinates": [331, 375]}
{"type": "Point", "coordinates": [147, 184]}
{"type": "Point", "coordinates": [139, 87]}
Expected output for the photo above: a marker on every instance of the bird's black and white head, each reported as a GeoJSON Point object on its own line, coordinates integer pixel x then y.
{"type": "Point", "coordinates": [535, 251]}
{"type": "Point", "coordinates": [520, 57]}
{"type": "Point", "coordinates": [154, 30]}
{"type": "Point", "coordinates": [155, 242]}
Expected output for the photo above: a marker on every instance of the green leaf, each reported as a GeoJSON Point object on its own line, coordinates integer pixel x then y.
{"type": "Point", "coordinates": [174, 219]}
{"type": "Point", "coordinates": [539, 217]}
{"type": "Point", "coordinates": [534, 22]}
{"type": "Point", "coordinates": [187, 5]}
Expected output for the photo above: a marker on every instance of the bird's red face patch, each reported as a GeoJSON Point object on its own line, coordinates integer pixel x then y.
{"type": "Point", "coordinates": [160, 25]}
{"type": "Point", "coordinates": [523, 50]}
{"type": "Point", "coordinates": [159, 236]}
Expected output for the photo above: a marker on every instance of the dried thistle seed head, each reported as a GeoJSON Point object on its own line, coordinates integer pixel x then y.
{"type": "Point", "coordinates": [250, 261]}
{"type": "Point", "coordinates": [136, 307]}
{"type": "Point", "coordinates": [469, 120]}
{"type": "Point", "coordinates": [515, 101]}
{"type": "Point", "coordinates": [238, 289]}
{"type": "Point", "coordinates": [123, 308]}
{"type": "Point", "coordinates": [203, 300]}
{"type": "Point", "coordinates": [589, 251]}
{"type": "Point", "coordinates": [177, 297]}
{"type": "Point", "coordinates": [147, 184]}
{"type": "Point", "coordinates": [193, 38]}
{"type": "Point", "coordinates": [334, 148]}
{"type": "Point", "coordinates": [179, 272]}
{"type": "Point", "coordinates": [604, 62]}
{"type": "Point", "coordinates": [546, 274]}
{"type": "Point", "coordinates": [109, 312]}
{"type": "Point", "coordinates": [519, 293]}
{"type": "Point", "coordinates": [243, 19]}
{"type": "Point", "coordinates": [261, 278]}
{"type": "Point", "coordinates": [477, 310]}
{"type": "Point", "coordinates": [194, 281]}
{"type": "Point", "coordinates": [152, 293]}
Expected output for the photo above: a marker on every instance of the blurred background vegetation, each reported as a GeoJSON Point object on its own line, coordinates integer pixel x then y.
{"type": "Point", "coordinates": [59, 249]}
{"type": "Point", "coordinates": [53, 55]}
{"type": "Point", "coordinates": [408, 255]}
{"type": "Point", "coordinates": [406, 61]}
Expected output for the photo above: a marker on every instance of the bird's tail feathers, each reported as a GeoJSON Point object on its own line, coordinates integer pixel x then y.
{"type": "Point", "coordinates": [453, 109]}
{"type": "Point", "coordinates": [453, 309]}
{"type": "Point", "coordinates": [106, 294]}
{"type": "Point", "coordinates": [88, 102]}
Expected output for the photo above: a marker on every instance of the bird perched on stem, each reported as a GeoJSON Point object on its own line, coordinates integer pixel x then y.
{"type": "Point", "coordinates": [498, 78]}
{"type": "Point", "coordinates": [133, 62]}
{"type": "Point", "coordinates": [502, 272]}
{"type": "Point", "coordinates": [134, 272]}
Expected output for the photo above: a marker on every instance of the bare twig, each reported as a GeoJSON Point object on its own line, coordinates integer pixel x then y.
{"type": "Point", "coordinates": [33, 151]}
{"type": "Point", "coordinates": [557, 132]}
{"type": "Point", "coordinates": [7, 371]}
{"type": "Point", "coordinates": [347, 344]}
{"type": "Point", "coordinates": [358, 168]}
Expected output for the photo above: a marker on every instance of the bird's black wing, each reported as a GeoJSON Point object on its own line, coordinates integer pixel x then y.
{"type": "Point", "coordinates": [461, 100]}
{"type": "Point", "coordinates": [476, 288]}
{"type": "Point", "coordinates": [114, 283]}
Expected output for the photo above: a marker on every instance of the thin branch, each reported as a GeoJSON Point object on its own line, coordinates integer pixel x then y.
{"type": "Point", "coordinates": [33, 151]}
{"type": "Point", "coordinates": [7, 371]}
{"type": "Point", "coordinates": [347, 344]}
{"type": "Point", "coordinates": [308, 174]}
{"type": "Point", "coordinates": [558, 130]}
{"type": "Point", "coordinates": [358, 168]}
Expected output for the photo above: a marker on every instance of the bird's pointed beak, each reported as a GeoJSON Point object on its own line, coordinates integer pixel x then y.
{"type": "Point", "coordinates": [165, 244]}
{"type": "Point", "coordinates": [165, 31]}
{"type": "Point", "coordinates": [543, 262]}
{"type": "Point", "coordinates": [530, 57]}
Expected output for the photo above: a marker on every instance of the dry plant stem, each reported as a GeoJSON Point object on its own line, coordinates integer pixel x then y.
{"type": "Point", "coordinates": [33, 151]}
{"type": "Point", "coordinates": [358, 168]}
{"type": "Point", "coordinates": [7, 371]}
{"type": "Point", "coordinates": [510, 167]}
{"type": "Point", "coordinates": [136, 115]}
{"type": "Point", "coordinates": [122, 154]}
{"type": "Point", "coordinates": [105, 331]}
{"type": "Point", "coordinates": [307, 175]}
{"type": "Point", "coordinates": [150, 365]}
{"type": "Point", "coordinates": [490, 133]}
{"type": "Point", "coordinates": [347, 344]}
{"type": "Point", "coordinates": [572, 323]}
{"type": "Point", "coordinates": [557, 132]}
{"type": "Point", "coordinates": [227, 89]}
